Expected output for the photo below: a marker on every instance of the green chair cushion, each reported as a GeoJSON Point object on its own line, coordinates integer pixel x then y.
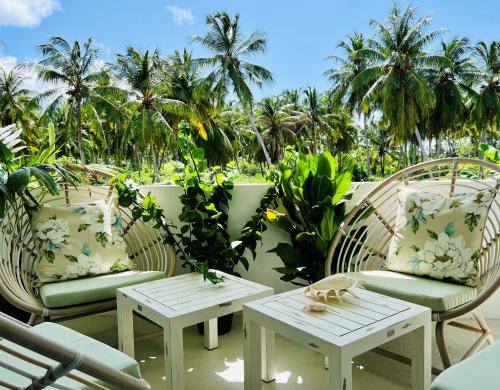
{"type": "Point", "coordinates": [93, 348]}
{"type": "Point", "coordinates": [87, 290]}
{"type": "Point", "coordinates": [437, 295]}
{"type": "Point", "coordinates": [480, 371]}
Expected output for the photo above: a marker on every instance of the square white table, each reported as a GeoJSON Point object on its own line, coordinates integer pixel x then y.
{"type": "Point", "coordinates": [347, 329]}
{"type": "Point", "coordinates": [177, 302]}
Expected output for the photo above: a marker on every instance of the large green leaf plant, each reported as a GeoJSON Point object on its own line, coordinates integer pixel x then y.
{"type": "Point", "coordinates": [19, 172]}
{"type": "Point", "coordinates": [312, 197]}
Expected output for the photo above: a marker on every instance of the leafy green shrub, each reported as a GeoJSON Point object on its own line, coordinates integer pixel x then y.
{"type": "Point", "coordinates": [205, 212]}
{"type": "Point", "coordinates": [313, 197]}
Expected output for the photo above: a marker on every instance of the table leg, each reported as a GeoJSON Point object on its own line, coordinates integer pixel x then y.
{"type": "Point", "coordinates": [125, 317]}
{"type": "Point", "coordinates": [421, 357]}
{"type": "Point", "coordinates": [340, 371]}
{"type": "Point", "coordinates": [268, 351]}
{"type": "Point", "coordinates": [174, 357]}
{"type": "Point", "coordinates": [252, 354]}
{"type": "Point", "coordinates": [210, 334]}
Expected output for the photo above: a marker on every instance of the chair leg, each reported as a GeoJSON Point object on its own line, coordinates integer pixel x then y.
{"type": "Point", "coordinates": [485, 329]}
{"type": "Point", "coordinates": [33, 319]}
{"type": "Point", "coordinates": [441, 344]}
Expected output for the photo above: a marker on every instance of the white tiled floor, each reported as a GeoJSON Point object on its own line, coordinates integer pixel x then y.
{"type": "Point", "coordinates": [297, 367]}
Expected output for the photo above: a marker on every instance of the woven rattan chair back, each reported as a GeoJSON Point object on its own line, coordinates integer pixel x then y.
{"type": "Point", "coordinates": [18, 254]}
{"type": "Point", "coordinates": [362, 241]}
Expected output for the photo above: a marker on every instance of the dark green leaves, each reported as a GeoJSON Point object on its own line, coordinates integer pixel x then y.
{"type": "Point", "coordinates": [19, 180]}
{"type": "Point", "coordinates": [432, 234]}
{"type": "Point", "coordinates": [71, 258]}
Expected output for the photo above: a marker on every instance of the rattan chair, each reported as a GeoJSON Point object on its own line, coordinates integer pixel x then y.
{"type": "Point", "coordinates": [362, 241]}
{"type": "Point", "coordinates": [50, 355]}
{"type": "Point", "coordinates": [18, 254]}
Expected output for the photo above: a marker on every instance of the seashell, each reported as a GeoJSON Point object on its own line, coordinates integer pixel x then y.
{"type": "Point", "coordinates": [315, 307]}
{"type": "Point", "coordinates": [333, 286]}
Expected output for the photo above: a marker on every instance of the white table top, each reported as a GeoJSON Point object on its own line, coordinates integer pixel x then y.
{"type": "Point", "coordinates": [179, 295]}
{"type": "Point", "coordinates": [343, 322]}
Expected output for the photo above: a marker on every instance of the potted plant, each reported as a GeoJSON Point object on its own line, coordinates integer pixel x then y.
{"type": "Point", "coordinates": [204, 218]}
{"type": "Point", "coordinates": [312, 197]}
{"type": "Point", "coordinates": [202, 239]}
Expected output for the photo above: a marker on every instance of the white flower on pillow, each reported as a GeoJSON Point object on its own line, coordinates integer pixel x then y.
{"type": "Point", "coordinates": [477, 203]}
{"type": "Point", "coordinates": [54, 231]}
{"type": "Point", "coordinates": [119, 242]}
{"type": "Point", "coordinates": [445, 257]}
{"type": "Point", "coordinates": [85, 265]}
{"type": "Point", "coordinates": [94, 219]}
{"type": "Point", "coordinates": [428, 203]}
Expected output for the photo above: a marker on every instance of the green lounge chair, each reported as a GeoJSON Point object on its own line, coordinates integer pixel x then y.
{"type": "Point", "coordinates": [477, 372]}
{"type": "Point", "coordinates": [52, 356]}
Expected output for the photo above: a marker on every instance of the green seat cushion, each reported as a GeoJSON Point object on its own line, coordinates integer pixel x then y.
{"type": "Point", "coordinates": [99, 288]}
{"type": "Point", "coordinates": [58, 333]}
{"type": "Point", "coordinates": [480, 371]}
{"type": "Point", "coordinates": [437, 295]}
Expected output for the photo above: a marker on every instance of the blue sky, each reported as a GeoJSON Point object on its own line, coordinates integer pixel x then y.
{"type": "Point", "coordinates": [301, 33]}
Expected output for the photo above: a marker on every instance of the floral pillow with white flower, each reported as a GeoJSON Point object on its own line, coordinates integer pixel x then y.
{"type": "Point", "coordinates": [439, 236]}
{"type": "Point", "coordinates": [78, 241]}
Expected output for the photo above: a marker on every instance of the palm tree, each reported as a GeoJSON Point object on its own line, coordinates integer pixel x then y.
{"type": "Point", "coordinates": [486, 100]}
{"type": "Point", "coordinates": [148, 129]}
{"type": "Point", "coordinates": [313, 117]}
{"type": "Point", "coordinates": [278, 128]}
{"type": "Point", "coordinates": [451, 84]}
{"type": "Point", "coordinates": [75, 72]}
{"type": "Point", "coordinates": [13, 97]}
{"type": "Point", "coordinates": [343, 134]}
{"type": "Point", "coordinates": [395, 74]}
{"type": "Point", "coordinates": [229, 71]}
{"type": "Point", "coordinates": [342, 76]}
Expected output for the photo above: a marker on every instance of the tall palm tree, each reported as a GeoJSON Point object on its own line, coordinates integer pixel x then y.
{"type": "Point", "coordinates": [451, 83]}
{"type": "Point", "coordinates": [188, 86]}
{"type": "Point", "coordinates": [350, 65]}
{"type": "Point", "coordinates": [395, 74]}
{"type": "Point", "coordinates": [277, 126]}
{"type": "Point", "coordinates": [149, 95]}
{"type": "Point", "coordinates": [14, 99]}
{"type": "Point", "coordinates": [342, 137]}
{"type": "Point", "coordinates": [75, 71]}
{"type": "Point", "coordinates": [486, 100]}
{"type": "Point", "coordinates": [229, 71]}
{"type": "Point", "coordinates": [313, 117]}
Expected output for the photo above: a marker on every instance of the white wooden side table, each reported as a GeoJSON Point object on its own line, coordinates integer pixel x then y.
{"type": "Point", "coordinates": [347, 329]}
{"type": "Point", "coordinates": [182, 301]}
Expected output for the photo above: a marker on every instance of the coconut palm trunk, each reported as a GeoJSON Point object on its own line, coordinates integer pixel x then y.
{"type": "Point", "coordinates": [79, 135]}
{"type": "Point", "coordinates": [259, 137]}
{"type": "Point", "coordinates": [367, 145]}
{"type": "Point", "coordinates": [421, 144]}
{"type": "Point", "coordinates": [107, 136]}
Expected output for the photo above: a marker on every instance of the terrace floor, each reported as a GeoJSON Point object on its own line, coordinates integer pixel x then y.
{"type": "Point", "coordinates": [297, 367]}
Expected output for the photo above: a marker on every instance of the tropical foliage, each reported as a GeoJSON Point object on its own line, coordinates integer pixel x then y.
{"type": "Point", "coordinates": [398, 95]}
{"type": "Point", "coordinates": [313, 197]}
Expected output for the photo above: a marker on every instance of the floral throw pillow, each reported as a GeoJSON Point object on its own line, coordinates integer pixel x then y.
{"type": "Point", "coordinates": [438, 236]}
{"type": "Point", "coordinates": [79, 240]}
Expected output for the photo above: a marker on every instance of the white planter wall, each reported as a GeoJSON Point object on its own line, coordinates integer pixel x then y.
{"type": "Point", "coordinates": [246, 198]}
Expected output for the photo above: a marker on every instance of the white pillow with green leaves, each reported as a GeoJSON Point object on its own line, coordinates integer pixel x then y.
{"type": "Point", "coordinates": [79, 240]}
{"type": "Point", "coordinates": [439, 236]}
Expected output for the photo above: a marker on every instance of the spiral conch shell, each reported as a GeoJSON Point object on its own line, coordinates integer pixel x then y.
{"type": "Point", "coordinates": [333, 286]}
